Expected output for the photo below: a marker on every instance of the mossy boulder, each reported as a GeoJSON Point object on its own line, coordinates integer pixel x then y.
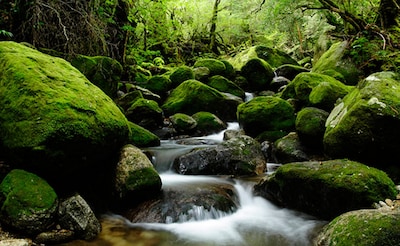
{"type": "Point", "coordinates": [362, 227]}
{"type": "Point", "coordinates": [337, 64]}
{"type": "Point", "coordinates": [365, 125]}
{"type": "Point", "coordinates": [135, 176]}
{"type": "Point", "coordinates": [183, 123]}
{"type": "Point", "coordinates": [28, 202]}
{"type": "Point", "coordinates": [145, 113]}
{"type": "Point", "coordinates": [290, 71]}
{"type": "Point", "coordinates": [258, 74]}
{"type": "Point", "coordinates": [158, 84]}
{"type": "Point", "coordinates": [141, 137]}
{"type": "Point", "coordinates": [208, 123]}
{"type": "Point", "coordinates": [193, 96]}
{"type": "Point", "coordinates": [265, 113]}
{"type": "Point", "coordinates": [290, 149]}
{"type": "Point", "coordinates": [102, 71]}
{"type": "Point", "coordinates": [237, 156]}
{"type": "Point", "coordinates": [327, 189]}
{"type": "Point", "coordinates": [310, 125]}
{"type": "Point", "coordinates": [316, 90]}
{"type": "Point", "coordinates": [56, 123]}
{"type": "Point", "coordinates": [180, 75]}
{"type": "Point", "coordinates": [127, 99]}
{"type": "Point", "coordinates": [223, 84]}
{"type": "Point", "coordinates": [215, 66]}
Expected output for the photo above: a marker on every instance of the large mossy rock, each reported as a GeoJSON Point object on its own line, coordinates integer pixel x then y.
{"type": "Point", "coordinates": [327, 189]}
{"type": "Point", "coordinates": [265, 113]}
{"type": "Point", "coordinates": [215, 66]}
{"type": "Point", "coordinates": [180, 75]}
{"type": "Point", "coordinates": [158, 84]}
{"type": "Point", "coordinates": [145, 113]}
{"type": "Point", "coordinates": [135, 176]}
{"type": "Point", "coordinates": [364, 228]}
{"type": "Point", "coordinates": [208, 123]}
{"type": "Point", "coordinates": [310, 125]}
{"type": "Point", "coordinates": [258, 74]}
{"type": "Point", "coordinates": [141, 137]}
{"type": "Point", "coordinates": [28, 202]}
{"type": "Point", "coordinates": [53, 120]}
{"type": "Point", "coordinates": [102, 71]}
{"type": "Point", "coordinates": [238, 156]}
{"type": "Point", "coordinates": [192, 96]}
{"type": "Point", "coordinates": [316, 90]}
{"type": "Point", "coordinates": [225, 85]}
{"type": "Point", "coordinates": [183, 123]}
{"type": "Point", "coordinates": [365, 125]}
{"type": "Point", "coordinates": [335, 63]}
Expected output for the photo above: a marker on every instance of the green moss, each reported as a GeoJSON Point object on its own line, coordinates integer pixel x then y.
{"type": "Point", "coordinates": [143, 179]}
{"type": "Point", "coordinates": [183, 122]}
{"type": "Point", "coordinates": [273, 56]}
{"type": "Point", "coordinates": [142, 137]}
{"type": "Point", "coordinates": [224, 85]}
{"type": "Point", "coordinates": [145, 104]}
{"type": "Point", "coordinates": [180, 75]}
{"type": "Point", "coordinates": [207, 121]}
{"type": "Point", "coordinates": [158, 84]}
{"type": "Point", "coordinates": [215, 66]}
{"type": "Point", "coordinates": [23, 194]}
{"type": "Point", "coordinates": [258, 73]}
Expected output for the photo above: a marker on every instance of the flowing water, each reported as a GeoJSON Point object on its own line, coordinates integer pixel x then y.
{"type": "Point", "coordinates": [256, 222]}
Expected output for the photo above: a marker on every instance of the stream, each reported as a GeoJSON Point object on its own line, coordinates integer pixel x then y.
{"type": "Point", "coordinates": [256, 222]}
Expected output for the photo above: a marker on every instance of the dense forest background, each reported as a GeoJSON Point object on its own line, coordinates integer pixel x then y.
{"type": "Point", "coordinates": [181, 30]}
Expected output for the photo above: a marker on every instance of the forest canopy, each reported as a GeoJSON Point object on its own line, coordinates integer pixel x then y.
{"type": "Point", "coordinates": [179, 29]}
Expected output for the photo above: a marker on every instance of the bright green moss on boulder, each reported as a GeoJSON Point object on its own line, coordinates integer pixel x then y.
{"type": "Point", "coordinates": [208, 123]}
{"type": "Point", "coordinates": [274, 57]}
{"type": "Point", "coordinates": [142, 137]}
{"type": "Point", "coordinates": [258, 74]}
{"type": "Point", "coordinates": [192, 96]}
{"type": "Point", "coordinates": [183, 123]}
{"type": "Point", "coordinates": [225, 85]}
{"type": "Point", "coordinates": [28, 203]}
{"type": "Point", "coordinates": [335, 63]}
{"type": "Point", "coordinates": [327, 189]}
{"type": "Point", "coordinates": [365, 125]}
{"type": "Point", "coordinates": [145, 113]}
{"type": "Point", "coordinates": [102, 71]}
{"type": "Point", "coordinates": [50, 111]}
{"type": "Point", "coordinates": [310, 125]}
{"type": "Point", "coordinates": [180, 75]}
{"type": "Point", "coordinates": [317, 90]}
{"type": "Point", "coordinates": [265, 113]}
{"type": "Point", "coordinates": [364, 228]}
{"type": "Point", "coordinates": [215, 66]}
{"type": "Point", "coordinates": [158, 84]}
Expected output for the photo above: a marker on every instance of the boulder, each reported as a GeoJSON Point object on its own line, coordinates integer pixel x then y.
{"type": "Point", "coordinates": [74, 214]}
{"type": "Point", "coordinates": [158, 84]}
{"type": "Point", "coordinates": [183, 123]}
{"type": "Point", "coordinates": [310, 126]}
{"type": "Point", "coordinates": [258, 74]}
{"type": "Point", "coordinates": [225, 85]}
{"type": "Point", "coordinates": [180, 75]}
{"type": "Point", "coordinates": [135, 176]}
{"type": "Point", "coordinates": [327, 189]}
{"type": "Point", "coordinates": [265, 113]}
{"type": "Point", "coordinates": [237, 156]}
{"type": "Point", "coordinates": [215, 66]}
{"type": "Point", "coordinates": [102, 71]}
{"type": "Point", "coordinates": [208, 123]}
{"type": "Point", "coordinates": [201, 73]}
{"type": "Point", "coordinates": [141, 137]}
{"type": "Point", "coordinates": [28, 202]}
{"type": "Point", "coordinates": [290, 71]}
{"type": "Point", "coordinates": [145, 113]}
{"type": "Point", "coordinates": [315, 90]}
{"type": "Point", "coordinates": [365, 125]}
{"type": "Point", "coordinates": [362, 227]}
{"type": "Point", "coordinates": [290, 149]}
{"type": "Point", "coordinates": [192, 96]}
{"type": "Point", "coordinates": [337, 64]}
{"type": "Point", "coordinates": [57, 124]}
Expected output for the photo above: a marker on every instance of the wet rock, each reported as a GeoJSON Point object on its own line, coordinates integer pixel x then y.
{"type": "Point", "coordinates": [238, 156]}
{"type": "Point", "coordinates": [290, 149]}
{"type": "Point", "coordinates": [145, 113]}
{"type": "Point", "coordinates": [183, 123]}
{"type": "Point", "coordinates": [55, 237]}
{"type": "Point", "coordinates": [327, 189]}
{"type": "Point", "coordinates": [77, 216]}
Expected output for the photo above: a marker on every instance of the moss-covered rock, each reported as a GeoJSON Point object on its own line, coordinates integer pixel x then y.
{"type": "Point", "coordinates": [335, 63]}
{"type": "Point", "coordinates": [126, 100]}
{"type": "Point", "coordinates": [102, 71]}
{"type": "Point", "coordinates": [135, 176]}
{"type": "Point", "coordinates": [145, 113]}
{"type": "Point", "coordinates": [52, 111]}
{"type": "Point", "coordinates": [290, 149]}
{"type": "Point", "coordinates": [141, 137]}
{"type": "Point", "coordinates": [310, 125]}
{"type": "Point", "coordinates": [28, 202]}
{"type": "Point", "coordinates": [158, 84]}
{"type": "Point", "coordinates": [183, 123]}
{"type": "Point", "coordinates": [223, 84]}
{"type": "Point", "coordinates": [208, 123]}
{"type": "Point", "coordinates": [230, 71]}
{"type": "Point", "coordinates": [192, 96]}
{"type": "Point", "coordinates": [317, 90]}
{"type": "Point", "coordinates": [365, 125]}
{"type": "Point", "coordinates": [215, 66]}
{"type": "Point", "coordinates": [327, 189]}
{"type": "Point", "coordinates": [362, 227]}
{"type": "Point", "coordinates": [258, 74]}
{"type": "Point", "coordinates": [265, 113]}
{"type": "Point", "coordinates": [180, 75]}
{"type": "Point", "coordinates": [290, 71]}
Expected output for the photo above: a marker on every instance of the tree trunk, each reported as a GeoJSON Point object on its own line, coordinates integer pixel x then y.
{"type": "Point", "coordinates": [213, 33]}
{"type": "Point", "coordinates": [389, 13]}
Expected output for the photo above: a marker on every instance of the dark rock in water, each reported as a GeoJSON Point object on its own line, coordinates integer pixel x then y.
{"type": "Point", "coordinates": [238, 156]}
{"type": "Point", "coordinates": [76, 215]}
{"type": "Point", "coordinates": [55, 237]}
{"type": "Point", "coordinates": [28, 204]}
{"type": "Point", "coordinates": [327, 189]}
{"type": "Point", "coordinates": [187, 202]}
